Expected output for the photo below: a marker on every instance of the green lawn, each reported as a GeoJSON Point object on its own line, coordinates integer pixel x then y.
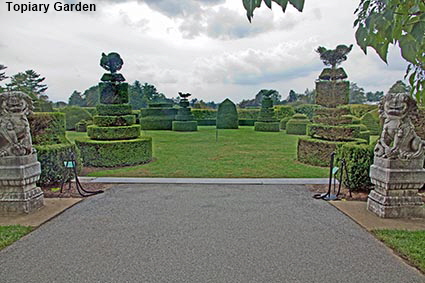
{"type": "Point", "coordinates": [409, 244]}
{"type": "Point", "coordinates": [10, 234]}
{"type": "Point", "coordinates": [241, 153]}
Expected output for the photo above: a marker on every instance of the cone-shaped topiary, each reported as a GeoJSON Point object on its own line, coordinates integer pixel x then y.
{"type": "Point", "coordinates": [227, 115]}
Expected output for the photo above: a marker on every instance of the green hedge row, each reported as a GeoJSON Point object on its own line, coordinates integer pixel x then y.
{"type": "Point", "coordinates": [307, 109]}
{"type": "Point", "coordinates": [334, 133]}
{"type": "Point", "coordinates": [156, 123]}
{"type": "Point", "coordinates": [297, 125]}
{"type": "Point", "coordinates": [115, 153]}
{"type": "Point", "coordinates": [266, 126]}
{"type": "Point", "coordinates": [251, 114]}
{"type": "Point", "coordinates": [204, 114]}
{"type": "Point", "coordinates": [185, 126]}
{"type": "Point", "coordinates": [372, 122]}
{"type": "Point", "coordinates": [283, 111]}
{"type": "Point", "coordinates": [283, 123]}
{"type": "Point", "coordinates": [113, 133]}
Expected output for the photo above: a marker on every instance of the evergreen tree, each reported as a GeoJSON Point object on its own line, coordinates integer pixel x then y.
{"type": "Point", "coordinates": [2, 74]}
{"type": "Point", "coordinates": [29, 82]}
{"type": "Point", "coordinates": [76, 99]}
{"type": "Point", "coordinates": [92, 96]}
{"type": "Point", "coordinates": [357, 95]}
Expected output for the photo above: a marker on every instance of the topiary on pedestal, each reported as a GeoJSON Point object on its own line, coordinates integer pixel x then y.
{"type": "Point", "coordinates": [227, 115]}
{"type": "Point", "coordinates": [114, 139]}
{"type": "Point", "coordinates": [332, 127]}
{"type": "Point", "coordinates": [184, 121]}
{"type": "Point", "coordinates": [266, 121]}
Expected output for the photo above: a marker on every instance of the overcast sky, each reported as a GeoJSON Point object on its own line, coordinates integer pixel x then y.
{"type": "Point", "coordinates": [205, 47]}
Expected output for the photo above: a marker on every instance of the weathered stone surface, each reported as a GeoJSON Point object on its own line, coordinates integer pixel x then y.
{"type": "Point", "coordinates": [397, 171]}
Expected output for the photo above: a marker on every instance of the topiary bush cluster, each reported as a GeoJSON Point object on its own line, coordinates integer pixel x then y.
{"type": "Point", "coordinates": [297, 125]}
{"type": "Point", "coordinates": [334, 133]}
{"type": "Point", "coordinates": [358, 110]}
{"type": "Point", "coordinates": [358, 159]}
{"type": "Point", "coordinates": [283, 123]}
{"type": "Point", "coordinates": [227, 116]}
{"type": "Point", "coordinates": [113, 133]}
{"type": "Point", "coordinates": [266, 121]}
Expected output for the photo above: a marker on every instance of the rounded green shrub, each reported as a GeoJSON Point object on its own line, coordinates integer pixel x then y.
{"type": "Point", "coordinates": [267, 126]}
{"type": "Point", "coordinates": [227, 116]}
{"type": "Point", "coordinates": [185, 126]}
{"type": "Point", "coordinates": [51, 158]}
{"type": "Point", "coordinates": [113, 133]}
{"type": "Point", "coordinates": [358, 159]}
{"type": "Point", "coordinates": [115, 153]}
{"type": "Point", "coordinates": [73, 115]}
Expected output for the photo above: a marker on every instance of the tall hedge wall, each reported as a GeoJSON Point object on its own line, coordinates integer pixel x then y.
{"type": "Point", "coordinates": [73, 115]}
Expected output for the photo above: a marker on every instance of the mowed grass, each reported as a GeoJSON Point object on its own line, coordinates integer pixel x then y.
{"type": "Point", "coordinates": [408, 244]}
{"type": "Point", "coordinates": [10, 234]}
{"type": "Point", "coordinates": [242, 153]}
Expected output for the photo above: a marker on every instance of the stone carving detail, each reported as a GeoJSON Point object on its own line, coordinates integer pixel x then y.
{"type": "Point", "coordinates": [15, 137]}
{"type": "Point", "coordinates": [398, 138]}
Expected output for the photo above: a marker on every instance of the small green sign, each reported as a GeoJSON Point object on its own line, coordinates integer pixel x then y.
{"type": "Point", "coordinates": [334, 170]}
{"type": "Point", "coordinates": [69, 164]}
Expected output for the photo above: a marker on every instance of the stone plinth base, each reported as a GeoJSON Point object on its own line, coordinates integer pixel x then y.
{"type": "Point", "coordinates": [18, 191]}
{"type": "Point", "coordinates": [396, 188]}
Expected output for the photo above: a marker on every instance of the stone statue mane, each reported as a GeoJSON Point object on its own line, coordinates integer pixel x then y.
{"type": "Point", "coordinates": [15, 137]}
{"type": "Point", "coordinates": [398, 139]}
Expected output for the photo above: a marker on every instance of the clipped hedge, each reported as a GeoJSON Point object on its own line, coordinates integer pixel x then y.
{"type": "Point", "coordinates": [358, 110]}
{"type": "Point", "coordinates": [51, 158]}
{"type": "Point", "coordinates": [185, 126]}
{"type": "Point", "coordinates": [91, 110]}
{"type": "Point", "coordinates": [204, 114]}
{"type": "Point", "coordinates": [81, 126]}
{"type": "Point", "coordinates": [307, 109]}
{"type": "Point", "coordinates": [372, 122]}
{"type": "Point", "coordinates": [334, 133]}
{"type": "Point", "coordinates": [297, 125]}
{"type": "Point", "coordinates": [266, 126]}
{"type": "Point", "coordinates": [47, 128]}
{"type": "Point", "coordinates": [73, 115]}
{"type": "Point", "coordinates": [246, 122]}
{"type": "Point", "coordinates": [115, 153]}
{"type": "Point", "coordinates": [227, 116]}
{"type": "Point", "coordinates": [113, 133]}
{"type": "Point", "coordinates": [250, 114]}
{"type": "Point", "coordinates": [107, 121]}
{"type": "Point", "coordinates": [283, 111]}
{"type": "Point", "coordinates": [156, 123]}
{"type": "Point", "coordinates": [317, 152]}
{"type": "Point", "coordinates": [358, 160]}
{"type": "Point", "coordinates": [113, 109]}
{"type": "Point", "coordinates": [283, 122]}
{"type": "Point", "coordinates": [206, 122]}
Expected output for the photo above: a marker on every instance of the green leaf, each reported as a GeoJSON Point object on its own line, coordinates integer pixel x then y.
{"type": "Point", "coordinates": [361, 37]}
{"type": "Point", "coordinates": [282, 3]}
{"type": "Point", "coordinates": [268, 3]}
{"type": "Point", "coordinates": [382, 51]}
{"type": "Point", "coordinates": [408, 48]}
{"type": "Point", "coordinates": [250, 6]}
{"type": "Point", "coordinates": [298, 4]}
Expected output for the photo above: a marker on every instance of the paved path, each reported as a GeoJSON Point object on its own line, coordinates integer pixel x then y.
{"type": "Point", "coordinates": [202, 233]}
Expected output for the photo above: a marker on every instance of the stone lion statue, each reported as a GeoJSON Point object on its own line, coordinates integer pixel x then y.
{"type": "Point", "coordinates": [398, 139]}
{"type": "Point", "coordinates": [15, 137]}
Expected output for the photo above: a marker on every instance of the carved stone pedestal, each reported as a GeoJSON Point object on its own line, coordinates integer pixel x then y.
{"type": "Point", "coordinates": [18, 191]}
{"type": "Point", "coordinates": [396, 188]}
